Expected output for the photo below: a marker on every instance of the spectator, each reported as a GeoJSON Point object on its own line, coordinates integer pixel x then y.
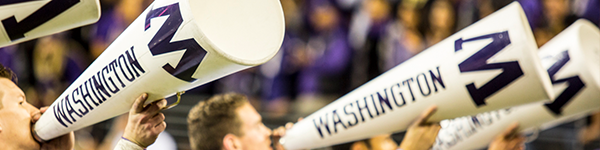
{"type": "Point", "coordinates": [115, 18]}
{"type": "Point", "coordinates": [440, 21]}
{"type": "Point", "coordinates": [145, 122]}
{"type": "Point", "coordinates": [229, 122]}
{"type": "Point", "coordinates": [325, 76]}
{"type": "Point", "coordinates": [403, 39]}
{"type": "Point", "coordinates": [557, 17]}
{"type": "Point", "coordinates": [279, 73]}
{"type": "Point", "coordinates": [367, 26]}
{"type": "Point", "coordinates": [56, 64]}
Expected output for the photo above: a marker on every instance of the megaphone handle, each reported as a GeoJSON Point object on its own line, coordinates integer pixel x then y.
{"type": "Point", "coordinates": [178, 100]}
{"type": "Point", "coordinates": [533, 136]}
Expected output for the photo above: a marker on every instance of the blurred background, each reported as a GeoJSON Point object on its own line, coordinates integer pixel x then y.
{"type": "Point", "coordinates": [330, 48]}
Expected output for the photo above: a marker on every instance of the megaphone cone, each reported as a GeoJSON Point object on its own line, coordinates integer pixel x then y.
{"type": "Point", "coordinates": [572, 59]}
{"type": "Point", "coordinates": [174, 45]}
{"type": "Point", "coordinates": [23, 20]}
{"type": "Point", "coordinates": [491, 64]}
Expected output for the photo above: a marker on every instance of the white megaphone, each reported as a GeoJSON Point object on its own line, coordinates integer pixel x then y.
{"type": "Point", "coordinates": [491, 64]}
{"type": "Point", "coordinates": [23, 20]}
{"type": "Point", "coordinates": [572, 60]}
{"type": "Point", "coordinates": [173, 46]}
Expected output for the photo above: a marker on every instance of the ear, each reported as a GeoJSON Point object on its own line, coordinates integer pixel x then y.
{"type": "Point", "coordinates": [231, 142]}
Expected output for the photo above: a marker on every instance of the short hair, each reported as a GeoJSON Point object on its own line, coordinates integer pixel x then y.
{"type": "Point", "coordinates": [9, 74]}
{"type": "Point", "coordinates": [209, 121]}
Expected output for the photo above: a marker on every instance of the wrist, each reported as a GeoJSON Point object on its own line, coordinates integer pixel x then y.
{"type": "Point", "coordinates": [133, 141]}
{"type": "Point", "coordinates": [126, 144]}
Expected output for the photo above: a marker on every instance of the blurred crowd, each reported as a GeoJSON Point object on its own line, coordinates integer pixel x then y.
{"type": "Point", "coordinates": [330, 47]}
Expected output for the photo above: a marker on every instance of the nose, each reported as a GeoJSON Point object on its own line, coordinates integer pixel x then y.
{"type": "Point", "coordinates": [267, 130]}
{"type": "Point", "coordinates": [31, 109]}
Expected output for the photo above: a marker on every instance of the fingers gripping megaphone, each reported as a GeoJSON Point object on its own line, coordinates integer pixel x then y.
{"type": "Point", "coordinates": [572, 60]}
{"type": "Point", "coordinates": [173, 46]}
{"type": "Point", "coordinates": [24, 20]}
{"type": "Point", "coordinates": [489, 65]}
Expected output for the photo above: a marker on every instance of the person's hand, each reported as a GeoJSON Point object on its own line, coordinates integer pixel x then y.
{"type": "Point", "coordinates": [280, 132]}
{"type": "Point", "coordinates": [508, 140]}
{"type": "Point", "coordinates": [421, 135]}
{"type": "Point", "coordinates": [145, 123]}
{"type": "Point", "coordinates": [62, 142]}
{"type": "Point", "coordinates": [591, 132]}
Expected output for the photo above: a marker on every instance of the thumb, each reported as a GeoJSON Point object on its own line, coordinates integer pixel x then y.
{"type": "Point", "coordinates": [511, 130]}
{"type": "Point", "coordinates": [43, 109]}
{"type": "Point", "coordinates": [425, 116]}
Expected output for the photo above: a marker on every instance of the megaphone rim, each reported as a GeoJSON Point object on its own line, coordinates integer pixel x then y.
{"type": "Point", "coordinates": [592, 62]}
{"type": "Point", "coordinates": [214, 47]}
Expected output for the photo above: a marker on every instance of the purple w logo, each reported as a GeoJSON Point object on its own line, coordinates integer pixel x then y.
{"type": "Point", "coordinates": [161, 43]}
{"type": "Point", "coordinates": [478, 62]}
{"type": "Point", "coordinates": [575, 84]}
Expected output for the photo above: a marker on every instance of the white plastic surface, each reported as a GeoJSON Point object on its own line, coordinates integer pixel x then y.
{"type": "Point", "coordinates": [84, 12]}
{"type": "Point", "coordinates": [181, 44]}
{"type": "Point", "coordinates": [580, 41]}
{"type": "Point", "coordinates": [433, 77]}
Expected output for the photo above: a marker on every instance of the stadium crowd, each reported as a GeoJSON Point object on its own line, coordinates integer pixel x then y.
{"type": "Point", "coordinates": [330, 48]}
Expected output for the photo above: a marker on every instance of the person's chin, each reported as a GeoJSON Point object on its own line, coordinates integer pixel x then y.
{"type": "Point", "coordinates": [31, 137]}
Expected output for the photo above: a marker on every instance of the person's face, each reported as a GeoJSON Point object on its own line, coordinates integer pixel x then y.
{"type": "Point", "coordinates": [441, 15]}
{"type": "Point", "coordinates": [256, 134]}
{"type": "Point", "coordinates": [48, 59]}
{"type": "Point", "coordinates": [324, 17]}
{"type": "Point", "coordinates": [409, 17]}
{"type": "Point", "coordinates": [378, 10]}
{"type": "Point", "coordinates": [556, 10]}
{"type": "Point", "coordinates": [15, 117]}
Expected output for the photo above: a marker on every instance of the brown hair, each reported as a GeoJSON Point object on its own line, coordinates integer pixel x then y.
{"type": "Point", "coordinates": [209, 121]}
{"type": "Point", "coordinates": [7, 73]}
